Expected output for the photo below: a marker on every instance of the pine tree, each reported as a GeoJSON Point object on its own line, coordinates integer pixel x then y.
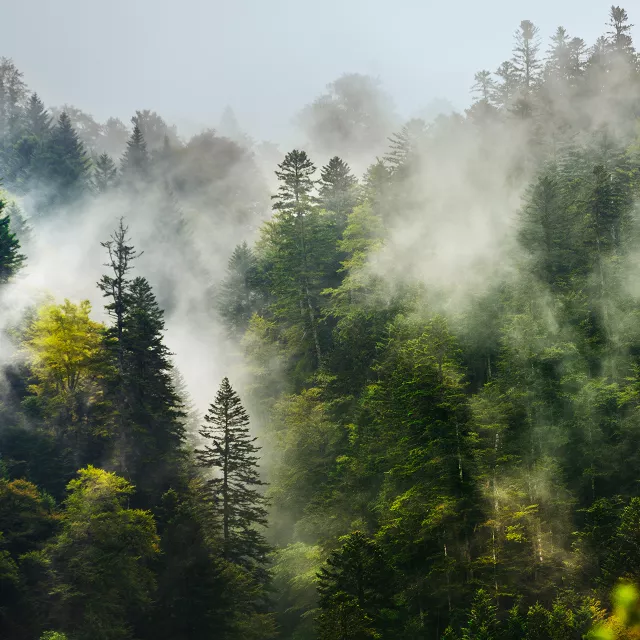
{"type": "Point", "coordinates": [296, 183]}
{"type": "Point", "coordinates": [38, 120]}
{"type": "Point", "coordinates": [525, 55]}
{"type": "Point", "coordinates": [338, 189]}
{"type": "Point", "coordinates": [104, 173]}
{"type": "Point", "coordinates": [294, 202]}
{"type": "Point", "coordinates": [483, 86]}
{"type": "Point", "coordinates": [11, 260]}
{"type": "Point", "coordinates": [232, 453]}
{"type": "Point", "coordinates": [116, 287]}
{"type": "Point", "coordinates": [152, 408]}
{"type": "Point", "coordinates": [506, 90]}
{"type": "Point", "coordinates": [355, 589]}
{"type": "Point", "coordinates": [135, 161]}
{"type": "Point", "coordinates": [238, 297]}
{"type": "Point", "coordinates": [620, 34]}
{"type": "Point", "coordinates": [63, 163]}
{"type": "Point", "coordinates": [19, 224]}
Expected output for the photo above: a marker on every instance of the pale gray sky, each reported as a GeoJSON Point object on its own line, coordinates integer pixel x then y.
{"type": "Point", "coordinates": [267, 58]}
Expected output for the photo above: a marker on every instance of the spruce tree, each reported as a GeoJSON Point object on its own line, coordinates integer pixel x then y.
{"type": "Point", "coordinates": [338, 189]}
{"type": "Point", "coordinates": [238, 297]}
{"type": "Point", "coordinates": [38, 120]}
{"type": "Point", "coordinates": [525, 55]}
{"type": "Point", "coordinates": [63, 164]}
{"type": "Point", "coordinates": [232, 453]}
{"type": "Point", "coordinates": [11, 260]}
{"type": "Point", "coordinates": [355, 589]}
{"type": "Point", "coordinates": [153, 410]}
{"type": "Point", "coordinates": [135, 161]}
{"type": "Point", "coordinates": [105, 173]}
{"type": "Point", "coordinates": [295, 203]}
{"type": "Point", "coordinates": [116, 287]}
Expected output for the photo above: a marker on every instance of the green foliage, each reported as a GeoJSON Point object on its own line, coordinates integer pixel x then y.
{"type": "Point", "coordinates": [355, 589]}
{"type": "Point", "coordinates": [101, 560]}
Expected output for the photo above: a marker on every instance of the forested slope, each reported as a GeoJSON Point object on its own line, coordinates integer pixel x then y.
{"type": "Point", "coordinates": [435, 428]}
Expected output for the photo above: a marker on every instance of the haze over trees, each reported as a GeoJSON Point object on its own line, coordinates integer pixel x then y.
{"type": "Point", "coordinates": [430, 422]}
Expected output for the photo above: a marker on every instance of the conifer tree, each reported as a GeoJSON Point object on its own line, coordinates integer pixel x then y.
{"type": "Point", "coordinates": [37, 118]}
{"type": "Point", "coordinates": [153, 410]}
{"type": "Point", "coordinates": [116, 287]}
{"type": "Point", "coordinates": [104, 173]}
{"type": "Point", "coordinates": [19, 224]}
{"type": "Point", "coordinates": [338, 189]}
{"type": "Point", "coordinates": [619, 36]}
{"type": "Point", "coordinates": [296, 183]}
{"type": "Point", "coordinates": [294, 202]}
{"type": "Point", "coordinates": [63, 163]}
{"type": "Point", "coordinates": [355, 589]}
{"type": "Point", "coordinates": [232, 453]}
{"type": "Point", "coordinates": [525, 55]}
{"type": "Point", "coordinates": [238, 297]}
{"type": "Point", "coordinates": [11, 260]}
{"type": "Point", "coordinates": [135, 161]}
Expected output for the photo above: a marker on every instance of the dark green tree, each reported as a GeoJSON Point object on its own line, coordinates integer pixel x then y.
{"type": "Point", "coordinates": [63, 164]}
{"type": "Point", "coordinates": [153, 409]}
{"type": "Point", "coordinates": [356, 590]}
{"type": "Point", "coordinates": [338, 189]}
{"type": "Point", "coordinates": [11, 260]}
{"type": "Point", "coordinates": [232, 453]}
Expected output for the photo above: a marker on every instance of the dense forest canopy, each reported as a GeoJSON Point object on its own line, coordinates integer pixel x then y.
{"type": "Point", "coordinates": [428, 338]}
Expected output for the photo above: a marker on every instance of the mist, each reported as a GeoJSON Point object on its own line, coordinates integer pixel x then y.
{"type": "Point", "coordinates": [362, 351]}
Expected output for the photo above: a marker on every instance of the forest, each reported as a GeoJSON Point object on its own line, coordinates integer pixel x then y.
{"type": "Point", "coordinates": [425, 416]}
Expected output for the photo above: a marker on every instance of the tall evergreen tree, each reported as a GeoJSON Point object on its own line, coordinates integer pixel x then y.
{"type": "Point", "coordinates": [153, 409]}
{"type": "Point", "coordinates": [63, 164]}
{"type": "Point", "coordinates": [135, 161]}
{"type": "Point", "coordinates": [38, 120]}
{"type": "Point", "coordinates": [338, 189]}
{"type": "Point", "coordinates": [105, 173]}
{"type": "Point", "coordinates": [238, 296]}
{"type": "Point", "coordinates": [294, 202]}
{"type": "Point", "coordinates": [11, 260]}
{"type": "Point", "coordinates": [355, 590]}
{"type": "Point", "coordinates": [232, 453]}
{"type": "Point", "coordinates": [116, 287]}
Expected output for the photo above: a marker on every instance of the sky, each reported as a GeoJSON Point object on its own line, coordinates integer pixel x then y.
{"type": "Point", "coordinates": [187, 60]}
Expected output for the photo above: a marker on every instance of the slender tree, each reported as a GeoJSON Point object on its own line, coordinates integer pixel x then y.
{"type": "Point", "coordinates": [232, 452]}
{"type": "Point", "coordinates": [355, 589]}
{"type": "Point", "coordinates": [104, 173]}
{"type": "Point", "coordinates": [11, 260]}
{"type": "Point", "coordinates": [338, 189]}
{"type": "Point", "coordinates": [37, 118]}
{"type": "Point", "coordinates": [135, 161]}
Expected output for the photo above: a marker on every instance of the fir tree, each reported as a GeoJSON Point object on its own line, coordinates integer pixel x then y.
{"type": "Point", "coordinates": [116, 287]}
{"type": "Point", "coordinates": [355, 589]}
{"type": "Point", "coordinates": [38, 120]}
{"type": "Point", "coordinates": [233, 454]}
{"type": "Point", "coordinates": [525, 55]}
{"type": "Point", "coordinates": [620, 34]}
{"type": "Point", "coordinates": [104, 173]}
{"type": "Point", "coordinates": [338, 189]}
{"type": "Point", "coordinates": [153, 410]}
{"type": "Point", "coordinates": [296, 183]}
{"type": "Point", "coordinates": [135, 161]}
{"type": "Point", "coordinates": [63, 163]}
{"type": "Point", "coordinates": [238, 296]}
{"type": "Point", "coordinates": [11, 260]}
{"type": "Point", "coordinates": [294, 202]}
